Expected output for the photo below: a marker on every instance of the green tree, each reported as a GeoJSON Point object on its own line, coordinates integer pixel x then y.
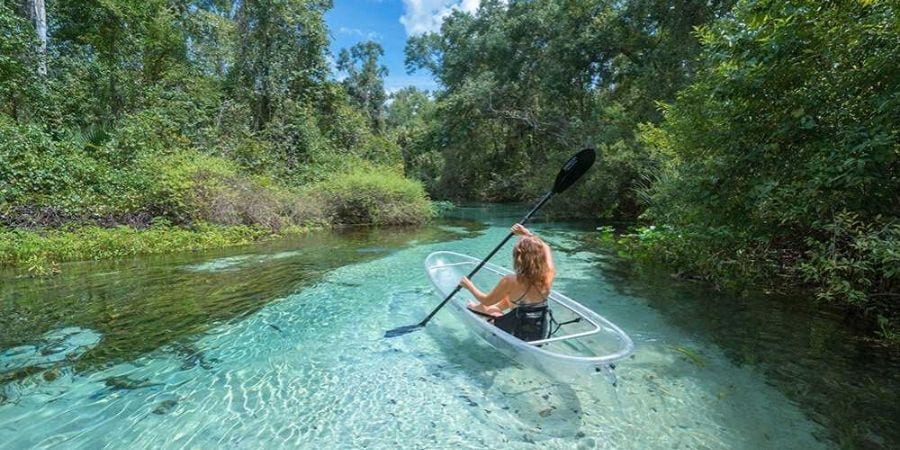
{"type": "Point", "coordinates": [410, 120]}
{"type": "Point", "coordinates": [17, 63]}
{"type": "Point", "coordinates": [212, 37]}
{"type": "Point", "coordinates": [134, 44]}
{"type": "Point", "coordinates": [527, 82]}
{"type": "Point", "coordinates": [365, 79]}
{"type": "Point", "coordinates": [280, 54]}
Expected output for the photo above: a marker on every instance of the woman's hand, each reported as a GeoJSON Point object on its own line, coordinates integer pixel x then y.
{"type": "Point", "coordinates": [465, 282]}
{"type": "Point", "coordinates": [519, 230]}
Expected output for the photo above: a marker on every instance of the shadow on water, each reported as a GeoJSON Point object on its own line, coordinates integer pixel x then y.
{"type": "Point", "coordinates": [142, 304]}
{"type": "Point", "coordinates": [480, 360]}
{"type": "Point", "coordinates": [548, 409]}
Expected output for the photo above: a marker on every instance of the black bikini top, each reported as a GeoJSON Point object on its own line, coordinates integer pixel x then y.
{"type": "Point", "coordinates": [518, 301]}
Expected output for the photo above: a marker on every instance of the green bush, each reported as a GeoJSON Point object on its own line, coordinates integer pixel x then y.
{"type": "Point", "coordinates": [30, 162]}
{"type": "Point", "coordinates": [170, 185]}
{"type": "Point", "coordinates": [189, 186]}
{"type": "Point", "coordinates": [149, 132]}
{"type": "Point", "coordinates": [855, 262]}
{"type": "Point", "coordinates": [37, 170]}
{"type": "Point", "coordinates": [849, 262]}
{"type": "Point", "coordinates": [186, 186]}
{"type": "Point", "coordinates": [374, 197]}
{"type": "Point", "coordinates": [440, 208]}
{"type": "Point", "coordinates": [719, 256]}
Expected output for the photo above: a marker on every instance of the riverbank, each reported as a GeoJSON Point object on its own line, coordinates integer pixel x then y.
{"type": "Point", "coordinates": [361, 198]}
{"type": "Point", "coordinates": [853, 277]}
{"type": "Point", "coordinates": [40, 253]}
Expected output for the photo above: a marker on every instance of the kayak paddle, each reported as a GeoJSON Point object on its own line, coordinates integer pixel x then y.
{"type": "Point", "coordinates": [574, 168]}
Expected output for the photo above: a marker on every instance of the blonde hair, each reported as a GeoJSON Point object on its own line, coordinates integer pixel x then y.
{"type": "Point", "coordinates": [531, 260]}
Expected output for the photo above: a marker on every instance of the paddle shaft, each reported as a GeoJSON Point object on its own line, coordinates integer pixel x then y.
{"type": "Point", "coordinates": [489, 256]}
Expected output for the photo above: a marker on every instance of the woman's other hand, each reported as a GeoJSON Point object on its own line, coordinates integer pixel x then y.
{"type": "Point", "coordinates": [465, 282]}
{"type": "Point", "coordinates": [519, 230]}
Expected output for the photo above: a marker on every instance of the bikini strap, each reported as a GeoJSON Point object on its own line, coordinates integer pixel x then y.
{"type": "Point", "coordinates": [518, 300]}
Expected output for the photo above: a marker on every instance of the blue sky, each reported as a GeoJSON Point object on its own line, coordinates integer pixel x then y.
{"type": "Point", "coordinates": [390, 22]}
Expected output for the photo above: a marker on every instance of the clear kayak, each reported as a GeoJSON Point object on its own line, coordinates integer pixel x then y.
{"type": "Point", "coordinates": [590, 344]}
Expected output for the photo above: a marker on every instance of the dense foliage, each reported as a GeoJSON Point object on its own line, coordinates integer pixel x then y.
{"type": "Point", "coordinates": [188, 112]}
{"type": "Point", "coordinates": [785, 148]}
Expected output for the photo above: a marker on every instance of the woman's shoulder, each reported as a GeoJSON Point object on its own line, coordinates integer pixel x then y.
{"type": "Point", "coordinates": [510, 280]}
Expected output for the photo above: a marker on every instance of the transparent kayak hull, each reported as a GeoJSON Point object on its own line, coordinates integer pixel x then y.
{"type": "Point", "coordinates": [589, 345]}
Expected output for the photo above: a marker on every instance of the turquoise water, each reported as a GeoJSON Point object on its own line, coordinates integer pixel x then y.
{"type": "Point", "coordinates": [281, 345]}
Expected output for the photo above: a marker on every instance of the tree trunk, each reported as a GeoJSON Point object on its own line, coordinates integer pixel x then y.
{"type": "Point", "coordinates": [37, 12]}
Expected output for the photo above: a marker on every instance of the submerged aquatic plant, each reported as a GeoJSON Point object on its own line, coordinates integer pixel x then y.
{"type": "Point", "coordinates": [691, 355]}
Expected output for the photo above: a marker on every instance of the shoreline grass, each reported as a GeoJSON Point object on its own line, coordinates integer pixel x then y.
{"type": "Point", "coordinates": [39, 252]}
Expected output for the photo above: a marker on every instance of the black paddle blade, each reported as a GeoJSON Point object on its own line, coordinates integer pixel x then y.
{"type": "Point", "coordinates": [402, 330]}
{"type": "Point", "coordinates": [575, 167]}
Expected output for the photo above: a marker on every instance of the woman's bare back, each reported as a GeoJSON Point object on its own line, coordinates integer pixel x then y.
{"type": "Point", "coordinates": [523, 293]}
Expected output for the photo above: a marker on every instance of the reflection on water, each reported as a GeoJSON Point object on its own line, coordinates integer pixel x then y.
{"type": "Point", "coordinates": [806, 350]}
{"type": "Point", "coordinates": [280, 345]}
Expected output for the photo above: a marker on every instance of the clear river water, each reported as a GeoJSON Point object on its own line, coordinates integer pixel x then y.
{"type": "Point", "coordinates": [280, 345]}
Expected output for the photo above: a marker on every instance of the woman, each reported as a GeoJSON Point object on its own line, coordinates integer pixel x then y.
{"type": "Point", "coordinates": [518, 303]}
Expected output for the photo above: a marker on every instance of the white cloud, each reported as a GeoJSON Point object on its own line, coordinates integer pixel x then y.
{"type": "Point", "coordinates": [470, 6]}
{"type": "Point", "coordinates": [370, 35]}
{"type": "Point", "coordinates": [423, 16]}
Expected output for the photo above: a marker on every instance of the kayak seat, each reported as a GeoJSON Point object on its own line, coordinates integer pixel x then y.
{"type": "Point", "coordinates": [526, 322]}
{"type": "Point", "coordinates": [530, 324]}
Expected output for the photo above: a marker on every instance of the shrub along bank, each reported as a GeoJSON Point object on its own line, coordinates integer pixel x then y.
{"type": "Point", "coordinates": [857, 271]}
